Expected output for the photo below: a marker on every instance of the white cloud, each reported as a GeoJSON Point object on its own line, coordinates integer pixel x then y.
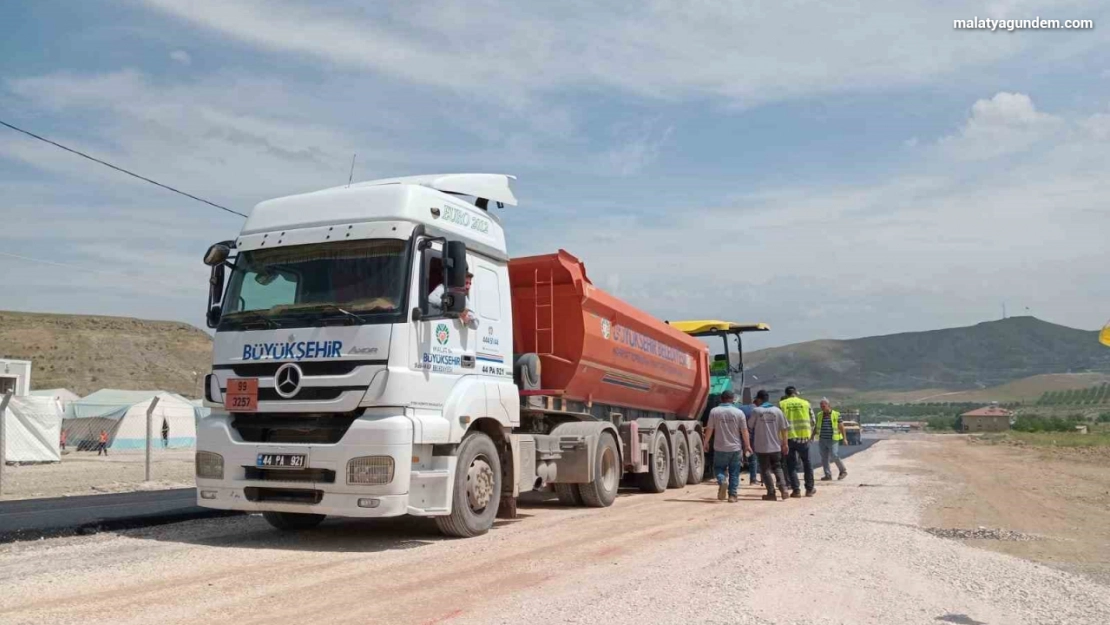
{"type": "Point", "coordinates": [1006, 123]}
{"type": "Point", "coordinates": [914, 252]}
{"type": "Point", "coordinates": [752, 53]}
{"type": "Point", "coordinates": [636, 147]}
{"type": "Point", "coordinates": [182, 57]}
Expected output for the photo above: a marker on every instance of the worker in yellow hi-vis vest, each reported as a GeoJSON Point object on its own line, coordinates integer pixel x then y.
{"type": "Point", "coordinates": [829, 433]}
{"type": "Point", "coordinates": [799, 416]}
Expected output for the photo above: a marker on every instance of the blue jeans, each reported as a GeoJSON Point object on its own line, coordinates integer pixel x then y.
{"type": "Point", "coordinates": [753, 468]}
{"type": "Point", "coordinates": [831, 449]}
{"type": "Point", "coordinates": [797, 457]}
{"type": "Point", "coordinates": [729, 460]}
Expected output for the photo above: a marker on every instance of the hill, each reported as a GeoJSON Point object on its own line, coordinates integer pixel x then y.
{"type": "Point", "coordinates": [86, 353]}
{"type": "Point", "coordinates": [985, 355]}
{"type": "Point", "coordinates": [1026, 390]}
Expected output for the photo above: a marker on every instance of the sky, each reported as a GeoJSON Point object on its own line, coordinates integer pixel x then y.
{"type": "Point", "coordinates": [836, 170]}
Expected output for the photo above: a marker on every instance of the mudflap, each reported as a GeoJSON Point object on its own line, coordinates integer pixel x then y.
{"type": "Point", "coordinates": [576, 466]}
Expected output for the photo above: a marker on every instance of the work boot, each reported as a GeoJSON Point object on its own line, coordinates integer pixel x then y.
{"type": "Point", "coordinates": [811, 492]}
{"type": "Point", "coordinates": [796, 494]}
{"type": "Point", "coordinates": [785, 496]}
{"type": "Point", "coordinates": [842, 475]}
{"type": "Point", "coordinates": [733, 499]}
{"type": "Point", "coordinates": [827, 478]}
{"type": "Point", "coordinates": [770, 498]}
{"type": "Point", "coordinates": [722, 492]}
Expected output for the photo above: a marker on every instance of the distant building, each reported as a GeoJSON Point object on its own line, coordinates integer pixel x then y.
{"type": "Point", "coordinates": [988, 419]}
{"type": "Point", "coordinates": [15, 376]}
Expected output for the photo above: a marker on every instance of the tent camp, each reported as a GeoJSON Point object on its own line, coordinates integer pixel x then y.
{"type": "Point", "coordinates": [32, 430]}
{"type": "Point", "coordinates": [63, 395]}
{"type": "Point", "coordinates": [122, 414]}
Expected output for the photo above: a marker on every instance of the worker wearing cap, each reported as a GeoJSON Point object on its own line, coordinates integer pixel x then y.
{"type": "Point", "coordinates": [731, 440]}
{"type": "Point", "coordinates": [799, 418]}
{"type": "Point", "coordinates": [828, 434]}
{"type": "Point", "coordinates": [769, 440]}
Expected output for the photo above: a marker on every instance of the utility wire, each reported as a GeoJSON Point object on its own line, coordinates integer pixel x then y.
{"type": "Point", "coordinates": [80, 268]}
{"type": "Point", "coordinates": [120, 169]}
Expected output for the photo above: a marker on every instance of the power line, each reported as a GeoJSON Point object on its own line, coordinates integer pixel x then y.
{"type": "Point", "coordinates": [80, 268]}
{"type": "Point", "coordinates": [120, 169]}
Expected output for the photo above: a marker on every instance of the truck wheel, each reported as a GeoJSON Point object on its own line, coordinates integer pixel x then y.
{"type": "Point", "coordinates": [659, 466]}
{"type": "Point", "coordinates": [477, 489]}
{"type": "Point", "coordinates": [568, 494]}
{"type": "Point", "coordinates": [697, 459]}
{"type": "Point", "coordinates": [601, 492]}
{"type": "Point", "coordinates": [680, 467]}
{"type": "Point", "coordinates": [292, 521]}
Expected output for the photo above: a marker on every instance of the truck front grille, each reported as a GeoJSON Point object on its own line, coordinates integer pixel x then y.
{"type": "Point", "coordinates": [308, 393]}
{"type": "Point", "coordinates": [326, 367]}
{"type": "Point", "coordinates": [319, 476]}
{"type": "Point", "coordinates": [283, 495]}
{"type": "Point", "coordinates": [320, 429]}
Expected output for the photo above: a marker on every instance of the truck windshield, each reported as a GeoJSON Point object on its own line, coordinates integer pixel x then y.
{"type": "Point", "coordinates": [318, 284]}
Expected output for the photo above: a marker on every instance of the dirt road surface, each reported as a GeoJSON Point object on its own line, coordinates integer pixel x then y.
{"type": "Point", "coordinates": [85, 473]}
{"type": "Point", "coordinates": [856, 553]}
{"type": "Point", "coordinates": [1060, 497]}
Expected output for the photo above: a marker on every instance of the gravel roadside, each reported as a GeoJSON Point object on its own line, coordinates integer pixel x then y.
{"type": "Point", "coordinates": [854, 554]}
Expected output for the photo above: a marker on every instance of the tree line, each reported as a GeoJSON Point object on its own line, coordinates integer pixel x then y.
{"type": "Point", "coordinates": [1077, 397]}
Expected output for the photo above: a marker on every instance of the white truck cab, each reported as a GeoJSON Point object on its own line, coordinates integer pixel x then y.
{"type": "Point", "coordinates": [325, 333]}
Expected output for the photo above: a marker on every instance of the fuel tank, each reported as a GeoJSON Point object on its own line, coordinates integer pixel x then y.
{"type": "Point", "coordinates": [598, 349]}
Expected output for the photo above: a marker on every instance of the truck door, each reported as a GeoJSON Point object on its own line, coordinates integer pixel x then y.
{"type": "Point", "coordinates": [443, 348]}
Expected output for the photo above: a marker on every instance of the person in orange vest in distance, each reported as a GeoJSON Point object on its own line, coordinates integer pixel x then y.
{"type": "Point", "coordinates": [102, 448]}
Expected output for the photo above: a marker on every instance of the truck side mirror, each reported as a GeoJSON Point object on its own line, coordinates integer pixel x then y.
{"type": "Point", "coordinates": [215, 294]}
{"type": "Point", "coordinates": [217, 254]}
{"type": "Point", "coordinates": [454, 278]}
{"type": "Point", "coordinates": [213, 316]}
{"type": "Point", "coordinates": [455, 263]}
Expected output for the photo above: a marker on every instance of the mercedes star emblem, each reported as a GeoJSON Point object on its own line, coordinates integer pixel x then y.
{"type": "Point", "coordinates": [287, 380]}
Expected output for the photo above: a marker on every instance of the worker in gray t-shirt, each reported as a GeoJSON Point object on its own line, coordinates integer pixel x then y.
{"type": "Point", "coordinates": [771, 433]}
{"type": "Point", "coordinates": [729, 430]}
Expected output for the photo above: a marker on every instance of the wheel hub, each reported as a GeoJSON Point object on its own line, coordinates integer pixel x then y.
{"type": "Point", "coordinates": [661, 459]}
{"type": "Point", "coordinates": [609, 469]}
{"type": "Point", "coordinates": [479, 484]}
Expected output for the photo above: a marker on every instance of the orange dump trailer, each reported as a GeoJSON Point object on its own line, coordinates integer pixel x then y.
{"type": "Point", "coordinates": [598, 350]}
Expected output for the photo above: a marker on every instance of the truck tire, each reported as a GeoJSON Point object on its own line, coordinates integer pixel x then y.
{"type": "Point", "coordinates": [601, 492]}
{"type": "Point", "coordinates": [568, 494]}
{"type": "Point", "coordinates": [697, 459]}
{"type": "Point", "coordinates": [477, 489]}
{"type": "Point", "coordinates": [659, 466]}
{"type": "Point", "coordinates": [292, 521]}
{"type": "Point", "coordinates": [680, 464]}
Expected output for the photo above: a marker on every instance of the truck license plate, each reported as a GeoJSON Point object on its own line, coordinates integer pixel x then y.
{"type": "Point", "coordinates": [281, 461]}
{"type": "Point", "coordinates": [241, 395]}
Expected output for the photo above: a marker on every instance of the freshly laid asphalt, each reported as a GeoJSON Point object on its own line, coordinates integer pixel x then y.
{"type": "Point", "coordinates": [28, 519]}
{"type": "Point", "coordinates": [36, 518]}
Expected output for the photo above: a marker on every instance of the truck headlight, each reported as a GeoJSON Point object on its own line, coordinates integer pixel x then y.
{"type": "Point", "coordinates": [370, 470]}
{"type": "Point", "coordinates": [210, 466]}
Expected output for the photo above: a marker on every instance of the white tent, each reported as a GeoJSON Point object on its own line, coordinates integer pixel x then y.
{"type": "Point", "coordinates": [63, 395]}
{"type": "Point", "coordinates": [32, 430]}
{"type": "Point", "coordinates": [122, 414]}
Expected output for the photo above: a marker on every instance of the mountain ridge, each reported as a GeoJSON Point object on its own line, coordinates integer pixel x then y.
{"type": "Point", "coordinates": [987, 354]}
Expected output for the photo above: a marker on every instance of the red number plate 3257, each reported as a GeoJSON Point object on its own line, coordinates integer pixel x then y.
{"type": "Point", "coordinates": [241, 395]}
